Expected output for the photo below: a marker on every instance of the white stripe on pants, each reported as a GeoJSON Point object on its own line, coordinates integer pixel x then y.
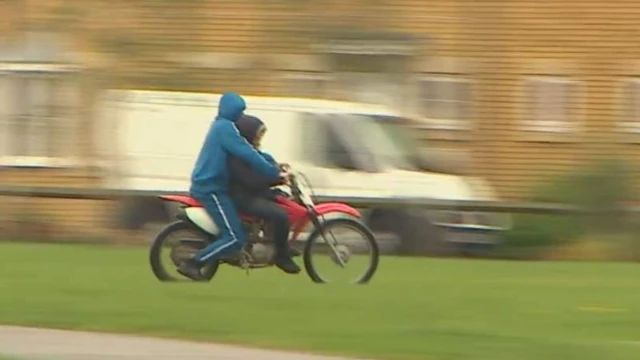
{"type": "Point", "coordinates": [234, 238]}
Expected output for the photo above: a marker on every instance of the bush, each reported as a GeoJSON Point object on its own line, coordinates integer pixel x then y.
{"type": "Point", "coordinates": [600, 187]}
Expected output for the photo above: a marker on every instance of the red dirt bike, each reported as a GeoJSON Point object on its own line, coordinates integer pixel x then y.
{"type": "Point", "coordinates": [195, 229]}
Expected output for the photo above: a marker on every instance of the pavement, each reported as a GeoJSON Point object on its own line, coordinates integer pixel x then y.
{"type": "Point", "coordinates": [35, 343]}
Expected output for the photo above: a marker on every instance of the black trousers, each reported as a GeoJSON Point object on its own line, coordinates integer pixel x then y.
{"type": "Point", "coordinates": [268, 210]}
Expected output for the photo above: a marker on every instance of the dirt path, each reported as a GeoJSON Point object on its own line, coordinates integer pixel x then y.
{"type": "Point", "coordinates": [31, 343]}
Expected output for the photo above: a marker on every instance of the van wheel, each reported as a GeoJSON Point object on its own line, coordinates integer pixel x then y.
{"type": "Point", "coordinates": [418, 236]}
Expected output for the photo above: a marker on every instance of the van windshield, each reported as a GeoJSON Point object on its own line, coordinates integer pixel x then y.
{"type": "Point", "coordinates": [388, 144]}
{"type": "Point", "coordinates": [400, 133]}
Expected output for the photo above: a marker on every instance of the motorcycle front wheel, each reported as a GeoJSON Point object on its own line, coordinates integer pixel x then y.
{"type": "Point", "coordinates": [173, 244]}
{"type": "Point", "coordinates": [342, 250]}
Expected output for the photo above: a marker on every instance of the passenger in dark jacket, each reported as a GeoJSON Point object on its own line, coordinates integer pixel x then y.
{"type": "Point", "coordinates": [243, 180]}
{"type": "Point", "coordinates": [252, 192]}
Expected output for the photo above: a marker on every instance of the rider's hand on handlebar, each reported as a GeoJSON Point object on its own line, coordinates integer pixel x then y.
{"type": "Point", "coordinates": [284, 167]}
{"type": "Point", "coordinates": [284, 175]}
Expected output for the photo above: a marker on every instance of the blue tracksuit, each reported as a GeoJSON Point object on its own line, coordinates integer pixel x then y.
{"type": "Point", "coordinates": [210, 176]}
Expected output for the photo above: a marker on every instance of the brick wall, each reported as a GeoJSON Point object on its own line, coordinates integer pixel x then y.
{"type": "Point", "coordinates": [42, 219]}
{"type": "Point", "coordinates": [496, 44]}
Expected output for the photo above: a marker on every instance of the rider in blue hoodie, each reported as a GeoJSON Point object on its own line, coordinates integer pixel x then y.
{"type": "Point", "coordinates": [210, 182]}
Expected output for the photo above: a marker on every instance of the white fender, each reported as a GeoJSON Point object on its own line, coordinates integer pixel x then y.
{"type": "Point", "coordinates": [201, 218]}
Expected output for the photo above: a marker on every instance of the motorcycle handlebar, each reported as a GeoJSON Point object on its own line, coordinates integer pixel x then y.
{"type": "Point", "coordinates": [293, 184]}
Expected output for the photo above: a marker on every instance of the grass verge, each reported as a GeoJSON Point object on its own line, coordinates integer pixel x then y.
{"type": "Point", "coordinates": [413, 309]}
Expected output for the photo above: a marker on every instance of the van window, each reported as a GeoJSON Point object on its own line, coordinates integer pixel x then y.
{"type": "Point", "coordinates": [384, 141]}
{"type": "Point", "coordinates": [338, 153]}
{"type": "Point", "coordinates": [350, 139]}
{"type": "Point", "coordinates": [323, 144]}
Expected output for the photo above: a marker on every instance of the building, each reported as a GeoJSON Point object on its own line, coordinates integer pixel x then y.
{"type": "Point", "coordinates": [531, 89]}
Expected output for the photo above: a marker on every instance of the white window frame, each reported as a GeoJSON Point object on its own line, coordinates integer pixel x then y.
{"type": "Point", "coordinates": [439, 123]}
{"type": "Point", "coordinates": [371, 88]}
{"type": "Point", "coordinates": [8, 159]}
{"type": "Point", "coordinates": [292, 76]}
{"type": "Point", "coordinates": [629, 113]}
{"type": "Point", "coordinates": [571, 108]}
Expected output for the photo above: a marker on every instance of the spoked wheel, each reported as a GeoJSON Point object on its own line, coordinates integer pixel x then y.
{"type": "Point", "coordinates": [175, 243]}
{"type": "Point", "coordinates": [350, 253]}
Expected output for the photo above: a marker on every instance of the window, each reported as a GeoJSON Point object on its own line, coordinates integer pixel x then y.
{"type": "Point", "coordinates": [373, 88]}
{"type": "Point", "coordinates": [348, 145]}
{"type": "Point", "coordinates": [30, 121]}
{"type": "Point", "coordinates": [38, 109]}
{"type": "Point", "coordinates": [445, 101]}
{"type": "Point", "coordinates": [305, 84]}
{"type": "Point", "coordinates": [630, 114]}
{"type": "Point", "coordinates": [338, 154]}
{"type": "Point", "coordinates": [551, 105]}
{"type": "Point", "coordinates": [401, 134]}
{"type": "Point", "coordinates": [379, 142]}
{"type": "Point", "coordinates": [323, 145]}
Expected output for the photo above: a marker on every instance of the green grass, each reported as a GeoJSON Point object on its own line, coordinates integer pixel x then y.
{"type": "Point", "coordinates": [413, 309]}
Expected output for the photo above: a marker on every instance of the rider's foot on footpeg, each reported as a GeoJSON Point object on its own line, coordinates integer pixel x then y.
{"type": "Point", "coordinates": [287, 265]}
{"type": "Point", "coordinates": [191, 270]}
{"type": "Point", "coordinates": [294, 252]}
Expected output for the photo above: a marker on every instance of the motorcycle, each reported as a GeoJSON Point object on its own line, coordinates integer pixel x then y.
{"type": "Point", "coordinates": [195, 229]}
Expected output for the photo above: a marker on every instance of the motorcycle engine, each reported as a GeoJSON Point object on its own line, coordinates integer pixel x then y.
{"type": "Point", "coordinates": [262, 253]}
{"type": "Point", "coordinates": [260, 245]}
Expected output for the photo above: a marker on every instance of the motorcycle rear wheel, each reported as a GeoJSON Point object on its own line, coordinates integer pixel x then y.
{"type": "Point", "coordinates": [327, 227]}
{"type": "Point", "coordinates": [160, 243]}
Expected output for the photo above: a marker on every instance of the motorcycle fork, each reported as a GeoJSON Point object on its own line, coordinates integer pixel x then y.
{"type": "Point", "coordinates": [313, 216]}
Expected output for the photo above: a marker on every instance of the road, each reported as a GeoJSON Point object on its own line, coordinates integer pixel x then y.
{"type": "Point", "coordinates": [32, 343]}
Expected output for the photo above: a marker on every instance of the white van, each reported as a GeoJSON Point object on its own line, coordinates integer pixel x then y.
{"type": "Point", "coordinates": [151, 139]}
